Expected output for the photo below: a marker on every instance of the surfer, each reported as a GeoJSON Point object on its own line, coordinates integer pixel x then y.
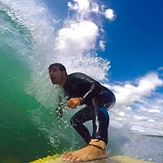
{"type": "Point", "coordinates": [81, 89]}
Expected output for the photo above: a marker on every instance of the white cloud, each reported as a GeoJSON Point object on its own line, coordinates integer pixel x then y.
{"type": "Point", "coordinates": [79, 5]}
{"type": "Point", "coordinates": [86, 6]}
{"type": "Point", "coordinates": [95, 7]}
{"type": "Point", "coordinates": [81, 36]}
{"type": "Point", "coordinates": [129, 93]}
{"type": "Point", "coordinates": [109, 13]}
{"type": "Point", "coordinates": [102, 45]}
{"type": "Point", "coordinates": [160, 68]}
{"type": "Point", "coordinates": [148, 84]}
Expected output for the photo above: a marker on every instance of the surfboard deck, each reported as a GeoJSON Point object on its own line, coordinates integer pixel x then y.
{"type": "Point", "coordinates": [114, 159]}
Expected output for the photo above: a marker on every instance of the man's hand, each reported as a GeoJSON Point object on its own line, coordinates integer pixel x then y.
{"type": "Point", "coordinates": [74, 102]}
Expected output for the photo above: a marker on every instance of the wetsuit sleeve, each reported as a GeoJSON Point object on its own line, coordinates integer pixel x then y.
{"type": "Point", "coordinates": [95, 88]}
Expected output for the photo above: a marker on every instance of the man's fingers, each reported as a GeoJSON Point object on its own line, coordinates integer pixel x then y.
{"type": "Point", "coordinates": [69, 103]}
{"type": "Point", "coordinates": [73, 103]}
{"type": "Point", "coordinates": [73, 106]}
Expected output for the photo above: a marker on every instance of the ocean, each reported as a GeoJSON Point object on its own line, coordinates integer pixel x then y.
{"type": "Point", "coordinates": [29, 129]}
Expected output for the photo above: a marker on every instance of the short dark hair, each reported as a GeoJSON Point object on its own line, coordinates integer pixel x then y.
{"type": "Point", "coordinates": [59, 65]}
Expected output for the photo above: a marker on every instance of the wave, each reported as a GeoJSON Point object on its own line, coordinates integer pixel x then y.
{"type": "Point", "coordinates": [28, 45]}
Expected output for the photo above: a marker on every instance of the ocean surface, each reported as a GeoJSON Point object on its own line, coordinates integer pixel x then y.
{"type": "Point", "coordinates": [29, 128]}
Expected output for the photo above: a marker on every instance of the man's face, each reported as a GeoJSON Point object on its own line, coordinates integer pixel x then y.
{"type": "Point", "coordinates": [56, 75]}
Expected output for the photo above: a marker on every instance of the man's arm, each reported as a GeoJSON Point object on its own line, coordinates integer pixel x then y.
{"type": "Point", "coordinates": [95, 88]}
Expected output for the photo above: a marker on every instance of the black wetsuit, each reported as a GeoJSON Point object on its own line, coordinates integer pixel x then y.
{"type": "Point", "coordinates": [97, 99]}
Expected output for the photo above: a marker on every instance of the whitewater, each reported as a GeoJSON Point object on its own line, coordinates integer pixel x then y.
{"type": "Point", "coordinates": [31, 38]}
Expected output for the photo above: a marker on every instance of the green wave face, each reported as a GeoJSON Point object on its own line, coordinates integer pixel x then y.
{"type": "Point", "coordinates": [28, 128]}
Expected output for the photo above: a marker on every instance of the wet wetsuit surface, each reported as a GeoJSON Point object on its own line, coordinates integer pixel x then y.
{"type": "Point", "coordinates": [97, 99]}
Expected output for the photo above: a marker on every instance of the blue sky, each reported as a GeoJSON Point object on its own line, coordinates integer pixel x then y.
{"type": "Point", "coordinates": [135, 44]}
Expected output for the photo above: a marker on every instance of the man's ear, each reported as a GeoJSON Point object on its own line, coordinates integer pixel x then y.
{"type": "Point", "coordinates": [63, 72]}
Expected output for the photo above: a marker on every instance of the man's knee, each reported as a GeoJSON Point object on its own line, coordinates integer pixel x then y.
{"type": "Point", "coordinates": [104, 113]}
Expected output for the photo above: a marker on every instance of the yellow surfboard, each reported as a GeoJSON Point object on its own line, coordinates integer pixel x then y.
{"type": "Point", "coordinates": [114, 159]}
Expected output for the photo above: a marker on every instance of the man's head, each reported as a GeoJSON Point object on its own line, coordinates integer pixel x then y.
{"type": "Point", "coordinates": [58, 74]}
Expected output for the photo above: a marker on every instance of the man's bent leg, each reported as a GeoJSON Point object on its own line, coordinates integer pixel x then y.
{"type": "Point", "coordinates": [100, 124]}
{"type": "Point", "coordinates": [77, 121]}
{"type": "Point", "coordinates": [96, 149]}
{"type": "Point", "coordinates": [101, 116]}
